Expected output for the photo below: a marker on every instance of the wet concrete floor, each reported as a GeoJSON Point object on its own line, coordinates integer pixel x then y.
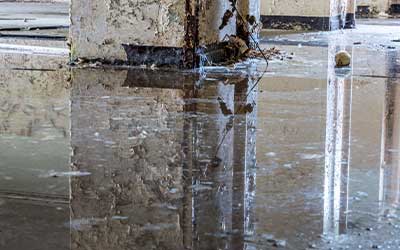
{"type": "Point", "coordinates": [307, 157]}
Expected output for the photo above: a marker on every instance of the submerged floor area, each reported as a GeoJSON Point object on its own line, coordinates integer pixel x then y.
{"type": "Point", "coordinates": [300, 156]}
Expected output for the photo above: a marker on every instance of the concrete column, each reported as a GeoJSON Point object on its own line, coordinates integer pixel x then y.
{"type": "Point", "coordinates": [249, 12]}
{"type": "Point", "coordinates": [303, 15]}
{"type": "Point", "coordinates": [161, 32]}
{"type": "Point", "coordinates": [350, 15]}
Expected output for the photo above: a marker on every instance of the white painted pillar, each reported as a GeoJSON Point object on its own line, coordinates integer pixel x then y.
{"type": "Point", "coordinates": [350, 14]}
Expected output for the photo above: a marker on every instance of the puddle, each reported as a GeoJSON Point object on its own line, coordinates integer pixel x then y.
{"type": "Point", "coordinates": [167, 160]}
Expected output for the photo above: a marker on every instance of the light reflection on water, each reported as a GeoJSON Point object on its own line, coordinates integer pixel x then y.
{"type": "Point", "coordinates": [168, 167]}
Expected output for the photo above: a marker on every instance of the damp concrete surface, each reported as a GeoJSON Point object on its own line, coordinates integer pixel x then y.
{"type": "Point", "coordinates": [305, 157]}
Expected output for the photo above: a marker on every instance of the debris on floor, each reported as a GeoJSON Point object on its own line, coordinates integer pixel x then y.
{"type": "Point", "coordinates": [272, 53]}
{"type": "Point", "coordinates": [291, 26]}
{"type": "Point", "coordinates": [342, 59]}
{"type": "Point", "coordinates": [236, 50]}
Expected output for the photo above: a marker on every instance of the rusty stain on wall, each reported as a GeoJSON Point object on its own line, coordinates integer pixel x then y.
{"type": "Point", "coordinates": [99, 28]}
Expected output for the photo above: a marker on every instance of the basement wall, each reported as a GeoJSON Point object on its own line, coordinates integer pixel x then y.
{"type": "Point", "coordinates": [302, 14]}
{"type": "Point", "coordinates": [378, 6]}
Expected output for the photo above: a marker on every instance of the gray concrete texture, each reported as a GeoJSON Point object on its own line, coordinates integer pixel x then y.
{"type": "Point", "coordinates": [99, 28]}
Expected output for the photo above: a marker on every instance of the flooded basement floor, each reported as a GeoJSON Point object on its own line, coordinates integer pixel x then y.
{"type": "Point", "coordinates": [306, 157]}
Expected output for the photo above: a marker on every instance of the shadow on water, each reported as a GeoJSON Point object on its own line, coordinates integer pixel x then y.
{"type": "Point", "coordinates": [138, 159]}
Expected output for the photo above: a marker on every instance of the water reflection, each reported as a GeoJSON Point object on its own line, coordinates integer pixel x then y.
{"type": "Point", "coordinates": [337, 147]}
{"type": "Point", "coordinates": [168, 160]}
{"type": "Point", "coordinates": [389, 179]}
{"type": "Point", "coordinates": [34, 140]}
{"type": "Point", "coordinates": [341, 214]}
{"type": "Point", "coordinates": [170, 167]}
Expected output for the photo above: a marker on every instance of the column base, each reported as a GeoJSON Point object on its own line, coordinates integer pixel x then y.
{"type": "Point", "coordinates": [174, 57]}
{"type": "Point", "coordinates": [350, 22]}
{"type": "Point", "coordinates": [363, 11]}
{"type": "Point", "coordinates": [394, 9]}
{"type": "Point", "coordinates": [300, 23]}
{"type": "Point", "coordinates": [154, 55]}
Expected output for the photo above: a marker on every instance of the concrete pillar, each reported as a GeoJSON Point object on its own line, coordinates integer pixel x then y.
{"type": "Point", "coordinates": [303, 15]}
{"type": "Point", "coordinates": [350, 14]}
{"type": "Point", "coordinates": [249, 11]}
{"type": "Point", "coordinates": [161, 32]}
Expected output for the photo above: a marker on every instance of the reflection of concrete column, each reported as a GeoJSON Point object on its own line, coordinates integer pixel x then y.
{"type": "Point", "coordinates": [337, 152]}
{"type": "Point", "coordinates": [212, 153]}
{"type": "Point", "coordinates": [244, 162]}
{"type": "Point", "coordinates": [239, 165]}
{"type": "Point", "coordinates": [187, 149]}
{"type": "Point", "coordinates": [222, 193]}
{"type": "Point", "coordinates": [151, 183]}
{"type": "Point", "coordinates": [129, 138]}
{"type": "Point", "coordinates": [249, 169]}
{"type": "Point", "coordinates": [389, 193]}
